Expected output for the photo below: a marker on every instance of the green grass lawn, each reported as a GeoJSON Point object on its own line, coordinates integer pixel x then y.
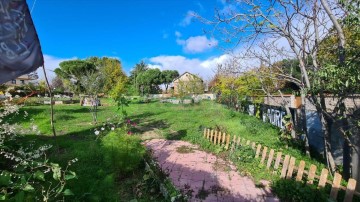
{"type": "Point", "coordinates": [99, 180]}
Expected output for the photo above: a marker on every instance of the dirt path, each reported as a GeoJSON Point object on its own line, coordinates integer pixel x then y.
{"type": "Point", "coordinates": [203, 175]}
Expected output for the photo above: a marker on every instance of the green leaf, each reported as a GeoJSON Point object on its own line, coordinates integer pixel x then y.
{"type": "Point", "coordinates": [2, 197]}
{"type": "Point", "coordinates": [5, 179]}
{"type": "Point", "coordinates": [68, 192]}
{"type": "Point", "coordinates": [19, 197]}
{"type": "Point", "coordinates": [28, 188]}
{"type": "Point", "coordinates": [70, 176]}
{"type": "Point", "coordinates": [39, 175]}
{"type": "Point", "coordinates": [56, 171]}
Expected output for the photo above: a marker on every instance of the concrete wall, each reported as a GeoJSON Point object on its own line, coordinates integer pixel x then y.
{"type": "Point", "coordinates": [275, 114]}
{"type": "Point", "coordinates": [352, 102]}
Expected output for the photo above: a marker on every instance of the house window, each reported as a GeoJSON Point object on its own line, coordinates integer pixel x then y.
{"type": "Point", "coordinates": [22, 82]}
{"type": "Point", "coordinates": [13, 81]}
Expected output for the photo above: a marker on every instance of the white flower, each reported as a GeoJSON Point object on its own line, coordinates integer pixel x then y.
{"type": "Point", "coordinates": [112, 128]}
{"type": "Point", "coordinates": [102, 128]}
{"type": "Point", "coordinates": [97, 132]}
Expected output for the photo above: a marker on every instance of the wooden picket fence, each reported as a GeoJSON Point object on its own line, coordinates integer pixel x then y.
{"type": "Point", "coordinates": [289, 168]}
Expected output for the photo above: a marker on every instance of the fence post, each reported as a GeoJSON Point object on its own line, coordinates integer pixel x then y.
{"type": "Point", "coordinates": [291, 168]}
{"type": "Point", "coordinates": [258, 151]}
{"type": "Point", "coordinates": [277, 161]}
{"type": "Point", "coordinates": [253, 145]}
{"type": "Point", "coordinates": [219, 138]}
{"type": "Point", "coordinates": [285, 166]}
{"type": "Point", "coordinates": [233, 143]}
{"type": "Point", "coordinates": [300, 171]}
{"type": "Point", "coordinates": [223, 139]}
{"type": "Point", "coordinates": [263, 155]}
{"type": "Point", "coordinates": [335, 186]}
{"type": "Point", "coordinates": [323, 177]}
{"type": "Point", "coordinates": [215, 136]}
{"type": "Point", "coordinates": [270, 159]}
{"type": "Point", "coordinates": [311, 174]}
{"type": "Point", "coordinates": [211, 135]}
{"type": "Point", "coordinates": [227, 141]}
{"type": "Point", "coordinates": [350, 189]}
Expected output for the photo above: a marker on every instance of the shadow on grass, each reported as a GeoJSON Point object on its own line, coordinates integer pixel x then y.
{"type": "Point", "coordinates": [177, 135]}
{"type": "Point", "coordinates": [97, 180]}
{"type": "Point", "coordinates": [143, 116]}
{"type": "Point", "coordinates": [151, 125]}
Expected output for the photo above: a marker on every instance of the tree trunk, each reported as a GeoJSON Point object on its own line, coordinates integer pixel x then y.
{"type": "Point", "coordinates": [51, 104]}
{"type": "Point", "coordinates": [339, 30]}
{"type": "Point", "coordinates": [304, 125]}
{"type": "Point", "coordinates": [346, 160]}
{"type": "Point", "coordinates": [327, 141]}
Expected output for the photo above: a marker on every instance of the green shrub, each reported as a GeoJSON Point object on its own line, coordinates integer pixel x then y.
{"type": "Point", "coordinates": [290, 190]}
{"type": "Point", "coordinates": [123, 153]}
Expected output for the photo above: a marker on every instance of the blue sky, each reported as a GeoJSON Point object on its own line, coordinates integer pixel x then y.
{"type": "Point", "coordinates": [161, 32]}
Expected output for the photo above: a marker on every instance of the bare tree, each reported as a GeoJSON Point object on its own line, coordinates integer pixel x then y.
{"type": "Point", "coordinates": [300, 26]}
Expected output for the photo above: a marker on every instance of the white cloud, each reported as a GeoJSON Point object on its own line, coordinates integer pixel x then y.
{"type": "Point", "coordinates": [197, 44]}
{"type": "Point", "coordinates": [51, 63]}
{"type": "Point", "coordinates": [188, 18]}
{"type": "Point", "coordinates": [203, 68]}
{"type": "Point", "coordinates": [177, 34]}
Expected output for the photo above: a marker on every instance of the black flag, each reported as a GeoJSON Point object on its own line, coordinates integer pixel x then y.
{"type": "Point", "coordinates": [20, 50]}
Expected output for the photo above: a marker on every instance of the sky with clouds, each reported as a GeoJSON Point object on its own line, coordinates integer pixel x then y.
{"type": "Point", "coordinates": [163, 33]}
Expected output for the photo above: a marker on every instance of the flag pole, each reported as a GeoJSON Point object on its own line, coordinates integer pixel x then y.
{"type": "Point", "coordinates": [51, 102]}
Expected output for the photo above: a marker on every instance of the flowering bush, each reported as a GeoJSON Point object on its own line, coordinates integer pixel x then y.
{"type": "Point", "coordinates": [26, 173]}
{"type": "Point", "coordinates": [127, 126]}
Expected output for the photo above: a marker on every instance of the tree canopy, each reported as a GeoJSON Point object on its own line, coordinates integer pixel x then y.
{"type": "Point", "coordinates": [168, 76]}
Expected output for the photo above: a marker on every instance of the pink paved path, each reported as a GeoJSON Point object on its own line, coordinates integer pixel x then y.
{"type": "Point", "coordinates": [196, 171]}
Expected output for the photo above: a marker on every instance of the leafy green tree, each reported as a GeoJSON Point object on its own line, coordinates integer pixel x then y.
{"type": "Point", "coordinates": [138, 69]}
{"type": "Point", "coordinates": [93, 83]}
{"type": "Point", "coordinates": [168, 76]}
{"type": "Point", "coordinates": [149, 81]}
{"type": "Point", "coordinates": [73, 70]}
{"type": "Point", "coordinates": [112, 71]}
{"type": "Point", "coordinates": [192, 85]}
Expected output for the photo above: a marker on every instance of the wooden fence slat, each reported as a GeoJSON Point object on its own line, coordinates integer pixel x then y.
{"type": "Point", "coordinates": [223, 139]}
{"type": "Point", "coordinates": [311, 174]}
{"type": "Point", "coordinates": [219, 138]}
{"type": "Point", "coordinates": [238, 141]}
{"type": "Point", "coordinates": [323, 177]}
{"type": "Point", "coordinates": [248, 142]}
{"type": "Point", "coordinates": [234, 140]}
{"type": "Point", "coordinates": [285, 166]}
{"type": "Point", "coordinates": [215, 136]}
{"type": "Point", "coordinates": [277, 161]}
{"type": "Point", "coordinates": [253, 145]}
{"type": "Point", "coordinates": [300, 171]}
{"type": "Point", "coordinates": [291, 168]}
{"type": "Point", "coordinates": [350, 189]}
{"type": "Point", "coordinates": [233, 143]}
{"type": "Point", "coordinates": [263, 155]}
{"type": "Point", "coordinates": [270, 159]}
{"type": "Point", "coordinates": [335, 186]}
{"type": "Point", "coordinates": [208, 134]}
{"type": "Point", "coordinates": [258, 151]}
{"type": "Point", "coordinates": [211, 135]}
{"type": "Point", "coordinates": [204, 132]}
{"type": "Point", "coordinates": [227, 141]}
